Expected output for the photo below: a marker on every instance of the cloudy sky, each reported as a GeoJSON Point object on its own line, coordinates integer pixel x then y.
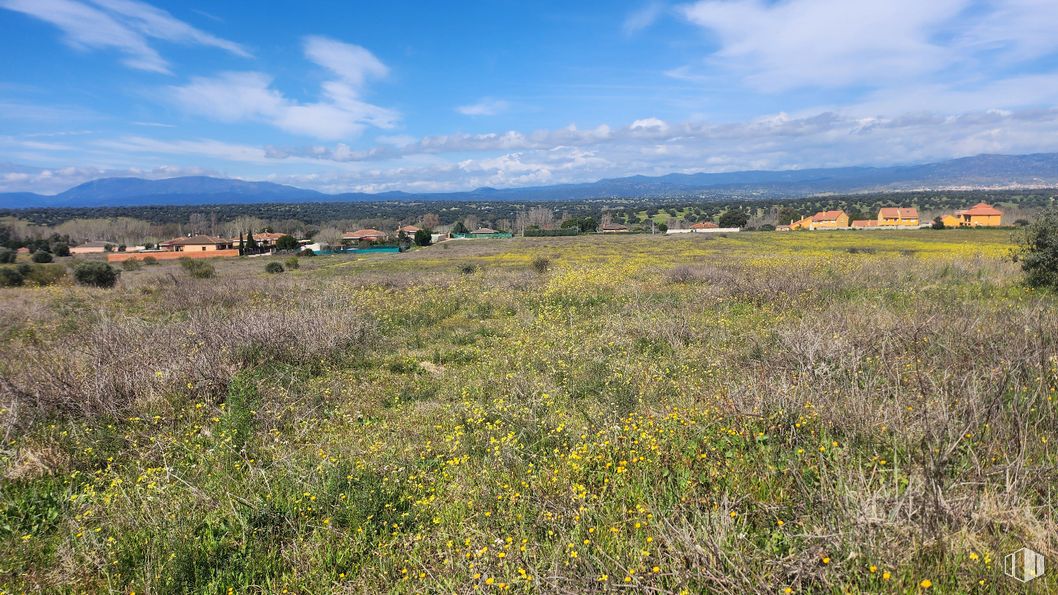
{"type": "Point", "coordinates": [423, 96]}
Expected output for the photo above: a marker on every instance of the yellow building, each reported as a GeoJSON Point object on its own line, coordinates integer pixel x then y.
{"type": "Point", "coordinates": [898, 217]}
{"type": "Point", "coordinates": [950, 221]}
{"type": "Point", "coordinates": [980, 215]}
{"type": "Point", "coordinates": [829, 220]}
{"type": "Point", "coordinates": [805, 223]}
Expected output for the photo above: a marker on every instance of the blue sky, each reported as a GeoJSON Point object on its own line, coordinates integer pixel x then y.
{"type": "Point", "coordinates": [425, 96]}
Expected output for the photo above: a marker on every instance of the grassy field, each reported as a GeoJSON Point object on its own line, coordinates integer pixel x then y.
{"type": "Point", "coordinates": [764, 412]}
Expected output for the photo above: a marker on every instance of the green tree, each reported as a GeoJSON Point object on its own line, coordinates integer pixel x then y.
{"type": "Point", "coordinates": [1038, 252]}
{"type": "Point", "coordinates": [734, 218]}
{"type": "Point", "coordinates": [42, 257]}
{"type": "Point", "coordinates": [423, 237]}
{"type": "Point", "coordinates": [287, 242]}
{"type": "Point", "coordinates": [7, 255]}
{"type": "Point", "coordinates": [459, 227]}
{"type": "Point", "coordinates": [787, 215]}
{"type": "Point", "coordinates": [938, 223]}
{"type": "Point", "coordinates": [251, 244]}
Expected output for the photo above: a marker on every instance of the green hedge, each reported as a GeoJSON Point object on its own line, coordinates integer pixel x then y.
{"type": "Point", "coordinates": [547, 233]}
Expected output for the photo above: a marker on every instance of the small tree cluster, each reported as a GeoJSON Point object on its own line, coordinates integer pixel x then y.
{"type": "Point", "coordinates": [1039, 251]}
{"type": "Point", "coordinates": [423, 237]}
{"type": "Point", "coordinates": [95, 274]}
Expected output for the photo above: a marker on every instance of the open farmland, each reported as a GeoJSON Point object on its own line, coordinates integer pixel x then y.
{"type": "Point", "coordinates": [824, 412]}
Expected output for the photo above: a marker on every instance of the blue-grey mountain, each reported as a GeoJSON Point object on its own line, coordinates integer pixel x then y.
{"type": "Point", "coordinates": [970, 172]}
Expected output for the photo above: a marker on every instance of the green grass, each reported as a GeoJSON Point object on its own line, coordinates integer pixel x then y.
{"type": "Point", "coordinates": [725, 414]}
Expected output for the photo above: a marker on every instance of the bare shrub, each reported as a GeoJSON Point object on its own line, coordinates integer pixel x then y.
{"type": "Point", "coordinates": [540, 264]}
{"type": "Point", "coordinates": [120, 363]}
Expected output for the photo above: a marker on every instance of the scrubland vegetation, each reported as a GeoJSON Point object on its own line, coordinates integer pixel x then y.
{"type": "Point", "coordinates": [811, 412]}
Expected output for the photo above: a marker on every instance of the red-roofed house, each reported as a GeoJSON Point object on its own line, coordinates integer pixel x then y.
{"type": "Point", "coordinates": [365, 235]}
{"type": "Point", "coordinates": [980, 215]}
{"type": "Point", "coordinates": [198, 243]}
{"type": "Point", "coordinates": [830, 220]}
{"type": "Point", "coordinates": [898, 217]}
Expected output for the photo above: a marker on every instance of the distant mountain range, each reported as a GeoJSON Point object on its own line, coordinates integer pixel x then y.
{"type": "Point", "coordinates": [969, 172]}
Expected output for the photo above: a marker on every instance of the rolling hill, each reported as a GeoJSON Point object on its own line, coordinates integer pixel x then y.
{"type": "Point", "coordinates": [980, 171]}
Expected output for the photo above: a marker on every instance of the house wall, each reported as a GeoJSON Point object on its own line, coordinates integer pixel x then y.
{"type": "Point", "coordinates": [950, 221]}
{"type": "Point", "coordinates": [898, 221]}
{"type": "Point", "coordinates": [87, 250]}
{"type": "Point", "coordinates": [841, 221]}
{"type": "Point", "coordinates": [985, 220]}
{"type": "Point", "coordinates": [169, 255]}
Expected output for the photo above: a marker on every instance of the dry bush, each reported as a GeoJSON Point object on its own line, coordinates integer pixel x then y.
{"type": "Point", "coordinates": [120, 364]}
{"type": "Point", "coordinates": [949, 394]}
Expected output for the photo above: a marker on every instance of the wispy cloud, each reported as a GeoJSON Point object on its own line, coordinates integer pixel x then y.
{"type": "Point", "coordinates": [250, 96]}
{"type": "Point", "coordinates": [484, 107]}
{"type": "Point", "coordinates": [835, 44]}
{"type": "Point", "coordinates": [643, 17]}
{"type": "Point", "coordinates": [825, 43]}
{"type": "Point", "coordinates": [123, 25]}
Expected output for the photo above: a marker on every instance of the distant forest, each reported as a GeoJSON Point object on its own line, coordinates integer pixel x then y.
{"type": "Point", "coordinates": [153, 223]}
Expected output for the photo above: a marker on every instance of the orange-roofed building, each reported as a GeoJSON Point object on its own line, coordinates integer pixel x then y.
{"type": "Point", "coordinates": [365, 235]}
{"type": "Point", "coordinates": [980, 215]}
{"type": "Point", "coordinates": [898, 217]}
{"type": "Point", "coordinates": [199, 243]}
{"type": "Point", "coordinates": [705, 225]}
{"type": "Point", "coordinates": [829, 220]}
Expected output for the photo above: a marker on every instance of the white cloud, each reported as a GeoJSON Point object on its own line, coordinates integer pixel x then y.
{"type": "Point", "coordinates": [826, 43]}
{"type": "Point", "coordinates": [643, 17]}
{"type": "Point", "coordinates": [249, 96]}
{"type": "Point", "coordinates": [122, 25]}
{"type": "Point", "coordinates": [352, 63]}
{"type": "Point", "coordinates": [198, 147]}
{"type": "Point", "coordinates": [485, 107]}
{"type": "Point", "coordinates": [651, 124]}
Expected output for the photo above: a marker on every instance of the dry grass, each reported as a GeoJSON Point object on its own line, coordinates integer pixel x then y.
{"type": "Point", "coordinates": [736, 415]}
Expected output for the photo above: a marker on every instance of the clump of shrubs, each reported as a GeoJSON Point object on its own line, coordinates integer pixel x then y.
{"type": "Point", "coordinates": [7, 255]}
{"type": "Point", "coordinates": [150, 260]}
{"type": "Point", "coordinates": [198, 269]}
{"type": "Point", "coordinates": [10, 277]}
{"type": "Point", "coordinates": [292, 263]}
{"type": "Point", "coordinates": [540, 264]}
{"type": "Point", "coordinates": [273, 267]}
{"type": "Point", "coordinates": [306, 252]}
{"type": "Point", "coordinates": [468, 268]}
{"type": "Point", "coordinates": [131, 264]}
{"type": "Point", "coordinates": [95, 274]}
{"type": "Point", "coordinates": [42, 257]}
{"type": "Point", "coordinates": [682, 274]}
{"type": "Point", "coordinates": [1039, 251]}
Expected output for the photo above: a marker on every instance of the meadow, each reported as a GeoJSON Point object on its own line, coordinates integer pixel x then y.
{"type": "Point", "coordinates": [760, 412]}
